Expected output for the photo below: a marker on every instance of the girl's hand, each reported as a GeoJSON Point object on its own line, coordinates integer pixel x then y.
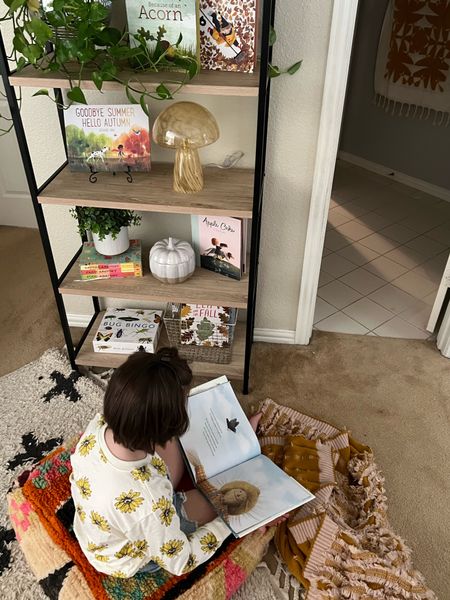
{"type": "Point", "coordinates": [274, 523]}
{"type": "Point", "coordinates": [254, 420]}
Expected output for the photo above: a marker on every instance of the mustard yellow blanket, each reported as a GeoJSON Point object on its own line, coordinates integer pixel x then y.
{"type": "Point", "coordinates": [341, 544]}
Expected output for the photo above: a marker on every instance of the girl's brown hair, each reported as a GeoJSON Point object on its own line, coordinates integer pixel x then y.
{"type": "Point", "coordinates": [145, 402]}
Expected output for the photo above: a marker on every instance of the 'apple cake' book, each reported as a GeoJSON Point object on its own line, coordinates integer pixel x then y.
{"type": "Point", "coordinates": [224, 456]}
{"type": "Point", "coordinates": [220, 244]}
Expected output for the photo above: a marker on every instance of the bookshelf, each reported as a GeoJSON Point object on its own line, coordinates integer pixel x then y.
{"type": "Point", "coordinates": [213, 83]}
{"type": "Point", "coordinates": [233, 370]}
{"type": "Point", "coordinates": [226, 193]}
{"type": "Point", "coordinates": [204, 287]}
{"type": "Point", "coordinates": [232, 192]}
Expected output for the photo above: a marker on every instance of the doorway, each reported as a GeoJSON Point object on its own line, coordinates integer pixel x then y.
{"type": "Point", "coordinates": [387, 234]}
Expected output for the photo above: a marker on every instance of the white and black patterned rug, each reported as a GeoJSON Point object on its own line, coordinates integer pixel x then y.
{"type": "Point", "coordinates": [41, 405]}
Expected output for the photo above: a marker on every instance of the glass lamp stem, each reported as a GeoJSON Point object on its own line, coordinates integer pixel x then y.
{"type": "Point", "coordinates": [187, 171]}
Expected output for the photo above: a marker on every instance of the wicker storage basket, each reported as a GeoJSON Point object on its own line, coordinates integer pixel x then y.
{"type": "Point", "coordinates": [214, 354]}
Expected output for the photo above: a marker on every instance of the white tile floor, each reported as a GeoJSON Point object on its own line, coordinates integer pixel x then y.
{"type": "Point", "coordinates": [385, 251]}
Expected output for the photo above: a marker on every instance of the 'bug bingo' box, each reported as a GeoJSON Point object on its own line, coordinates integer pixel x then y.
{"type": "Point", "coordinates": [127, 330]}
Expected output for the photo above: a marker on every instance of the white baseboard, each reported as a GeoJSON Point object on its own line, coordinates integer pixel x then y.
{"type": "Point", "coordinates": [78, 320]}
{"type": "Point", "coordinates": [393, 175]}
{"type": "Point", "coordinates": [272, 336]}
{"type": "Point", "coordinates": [16, 210]}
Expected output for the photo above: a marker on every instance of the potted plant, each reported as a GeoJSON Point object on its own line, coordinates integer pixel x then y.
{"type": "Point", "coordinates": [109, 227]}
{"type": "Point", "coordinates": [75, 40]}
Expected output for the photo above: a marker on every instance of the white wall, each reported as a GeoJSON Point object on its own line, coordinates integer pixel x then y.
{"type": "Point", "coordinates": [16, 208]}
{"type": "Point", "coordinates": [414, 147]}
{"type": "Point", "coordinates": [303, 32]}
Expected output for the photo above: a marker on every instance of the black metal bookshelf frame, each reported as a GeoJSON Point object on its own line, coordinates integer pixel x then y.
{"type": "Point", "coordinates": [268, 7]}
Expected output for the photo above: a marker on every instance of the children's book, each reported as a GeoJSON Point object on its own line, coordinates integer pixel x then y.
{"type": "Point", "coordinates": [127, 330]}
{"type": "Point", "coordinates": [107, 137]}
{"type": "Point", "coordinates": [94, 265]}
{"type": "Point", "coordinates": [219, 244]}
{"type": "Point", "coordinates": [171, 18]}
{"type": "Point", "coordinates": [228, 35]}
{"type": "Point", "coordinates": [224, 456]}
{"type": "Point", "coordinates": [206, 325]}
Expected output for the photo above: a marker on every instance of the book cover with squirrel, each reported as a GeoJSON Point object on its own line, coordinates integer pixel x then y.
{"type": "Point", "coordinates": [228, 35]}
{"type": "Point", "coordinates": [225, 460]}
{"type": "Point", "coordinates": [107, 137]}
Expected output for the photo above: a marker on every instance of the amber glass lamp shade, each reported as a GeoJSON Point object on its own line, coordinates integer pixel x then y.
{"type": "Point", "coordinates": [185, 127]}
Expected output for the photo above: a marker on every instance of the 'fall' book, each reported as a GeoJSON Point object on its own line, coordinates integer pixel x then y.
{"type": "Point", "coordinates": [206, 325]}
{"type": "Point", "coordinates": [223, 454]}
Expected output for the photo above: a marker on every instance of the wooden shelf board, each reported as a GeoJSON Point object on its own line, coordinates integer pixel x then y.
{"type": "Point", "coordinates": [233, 370]}
{"type": "Point", "coordinates": [204, 287]}
{"type": "Point", "coordinates": [227, 192]}
{"type": "Point", "coordinates": [218, 83]}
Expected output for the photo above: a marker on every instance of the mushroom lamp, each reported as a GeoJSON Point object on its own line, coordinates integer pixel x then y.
{"type": "Point", "coordinates": [186, 126]}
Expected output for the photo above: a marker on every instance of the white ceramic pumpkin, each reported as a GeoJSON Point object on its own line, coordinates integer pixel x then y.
{"type": "Point", "coordinates": [172, 260]}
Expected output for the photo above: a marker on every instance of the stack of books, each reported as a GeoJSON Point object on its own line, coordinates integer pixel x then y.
{"type": "Point", "coordinates": [97, 266]}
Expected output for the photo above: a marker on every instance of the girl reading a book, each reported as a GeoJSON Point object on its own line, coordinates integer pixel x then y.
{"type": "Point", "coordinates": [126, 468]}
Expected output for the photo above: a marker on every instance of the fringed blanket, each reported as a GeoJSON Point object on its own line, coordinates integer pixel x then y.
{"type": "Point", "coordinates": [412, 73]}
{"type": "Point", "coordinates": [340, 545]}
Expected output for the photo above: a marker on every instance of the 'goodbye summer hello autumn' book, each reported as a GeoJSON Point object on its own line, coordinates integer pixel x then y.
{"type": "Point", "coordinates": [107, 137]}
{"type": "Point", "coordinates": [224, 456]}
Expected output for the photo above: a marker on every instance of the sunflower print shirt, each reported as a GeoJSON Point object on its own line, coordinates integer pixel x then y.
{"type": "Point", "coordinates": [125, 515]}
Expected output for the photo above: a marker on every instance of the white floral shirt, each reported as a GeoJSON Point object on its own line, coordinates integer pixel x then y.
{"type": "Point", "coordinates": [125, 515]}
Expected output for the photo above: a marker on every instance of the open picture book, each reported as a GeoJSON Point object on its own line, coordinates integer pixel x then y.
{"type": "Point", "coordinates": [224, 456]}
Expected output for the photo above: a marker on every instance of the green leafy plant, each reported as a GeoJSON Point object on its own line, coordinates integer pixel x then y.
{"type": "Point", "coordinates": [103, 221]}
{"type": "Point", "coordinates": [275, 71]}
{"type": "Point", "coordinates": [74, 38]}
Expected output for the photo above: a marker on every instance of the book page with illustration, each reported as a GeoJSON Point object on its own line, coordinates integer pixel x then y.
{"type": "Point", "coordinates": [253, 493]}
{"type": "Point", "coordinates": [219, 435]}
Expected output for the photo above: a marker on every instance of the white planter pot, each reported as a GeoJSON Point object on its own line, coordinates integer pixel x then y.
{"type": "Point", "coordinates": [110, 247]}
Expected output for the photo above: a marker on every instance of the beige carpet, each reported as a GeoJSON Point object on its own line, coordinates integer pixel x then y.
{"type": "Point", "coordinates": [394, 395]}
{"type": "Point", "coordinates": [30, 322]}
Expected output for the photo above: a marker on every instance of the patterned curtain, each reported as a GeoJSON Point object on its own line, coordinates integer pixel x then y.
{"type": "Point", "coordinates": [412, 72]}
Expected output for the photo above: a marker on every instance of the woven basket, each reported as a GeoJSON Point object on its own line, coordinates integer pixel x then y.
{"type": "Point", "coordinates": [214, 354]}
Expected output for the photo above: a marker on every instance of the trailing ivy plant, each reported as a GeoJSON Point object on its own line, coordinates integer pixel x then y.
{"type": "Point", "coordinates": [74, 38]}
{"type": "Point", "coordinates": [103, 221]}
{"type": "Point", "coordinates": [275, 71]}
